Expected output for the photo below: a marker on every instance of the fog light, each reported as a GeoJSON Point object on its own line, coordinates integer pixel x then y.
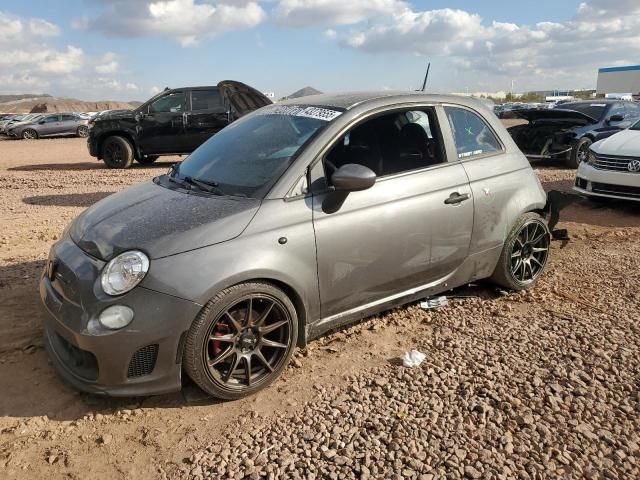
{"type": "Point", "coordinates": [116, 317]}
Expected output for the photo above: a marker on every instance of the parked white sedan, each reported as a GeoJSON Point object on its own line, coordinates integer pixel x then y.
{"type": "Point", "coordinates": [613, 168]}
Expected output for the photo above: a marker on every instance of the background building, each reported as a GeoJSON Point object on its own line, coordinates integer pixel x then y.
{"type": "Point", "coordinates": [620, 80]}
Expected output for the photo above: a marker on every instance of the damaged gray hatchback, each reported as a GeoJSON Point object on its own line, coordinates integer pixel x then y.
{"type": "Point", "coordinates": [294, 220]}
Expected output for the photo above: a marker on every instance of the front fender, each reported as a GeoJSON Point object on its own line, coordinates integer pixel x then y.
{"type": "Point", "coordinates": [259, 253]}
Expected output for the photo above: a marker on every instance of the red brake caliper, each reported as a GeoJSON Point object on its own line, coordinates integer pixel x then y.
{"type": "Point", "coordinates": [220, 330]}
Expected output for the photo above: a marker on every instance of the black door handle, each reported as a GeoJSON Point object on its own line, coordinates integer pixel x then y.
{"type": "Point", "coordinates": [456, 198]}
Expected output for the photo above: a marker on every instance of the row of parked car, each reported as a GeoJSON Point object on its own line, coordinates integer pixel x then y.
{"type": "Point", "coordinates": [38, 125]}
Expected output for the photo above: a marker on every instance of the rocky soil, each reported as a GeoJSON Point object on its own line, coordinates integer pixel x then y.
{"type": "Point", "coordinates": [542, 384]}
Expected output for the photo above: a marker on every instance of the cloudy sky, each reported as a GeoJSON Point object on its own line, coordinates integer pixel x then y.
{"type": "Point", "coordinates": [128, 49]}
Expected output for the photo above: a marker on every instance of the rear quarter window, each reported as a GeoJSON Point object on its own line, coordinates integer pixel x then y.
{"type": "Point", "coordinates": [471, 134]}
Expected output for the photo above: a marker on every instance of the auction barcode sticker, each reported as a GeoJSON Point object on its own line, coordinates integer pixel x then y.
{"type": "Point", "coordinates": [318, 113]}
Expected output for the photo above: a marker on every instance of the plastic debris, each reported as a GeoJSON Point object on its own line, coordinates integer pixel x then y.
{"type": "Point", "coordinates": [413, 358]}
{"type": "Point", "coordinates": [435, 302]}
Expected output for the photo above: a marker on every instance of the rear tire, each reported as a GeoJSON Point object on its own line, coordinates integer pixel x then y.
{"type": "Point", "coordinates": [29, 134]}
{"type": "Point", "coordinates": [524, 255]}
{"type": "Point", "coordinates": [117, 152]}
{"type": "Point", "coordinates": [579, 153]}
{"type": "Point", "coordinates": [82, 131]}
{"type": "Point", "coordinates": [148, 160]}
{"type": "Point", "coordinates": [241, 340]}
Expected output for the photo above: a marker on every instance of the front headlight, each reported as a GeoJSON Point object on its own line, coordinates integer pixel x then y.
{"type": "Point", "coordinates": [124, 272]}
{"type": "Point", "coordinates": [591, 159]}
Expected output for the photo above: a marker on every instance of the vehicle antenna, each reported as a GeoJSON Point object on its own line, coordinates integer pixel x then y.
{"type": "Point", "coordinates": [426, 77]}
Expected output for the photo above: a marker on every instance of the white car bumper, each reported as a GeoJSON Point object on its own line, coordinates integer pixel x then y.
{"type": "Point", "coordinates": [594, 182]}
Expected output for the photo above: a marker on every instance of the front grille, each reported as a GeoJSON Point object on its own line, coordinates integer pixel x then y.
{"type": "Point", "coordinates": [618, 190]}
{"type": "Point", "coordinates": [613, 163]}
{"type": "Point", "coordinates": [80, 362]}
{"type": "Point", "coordinates": [143, 361]}
{"type": "Point", "coordinates": [581, 183]}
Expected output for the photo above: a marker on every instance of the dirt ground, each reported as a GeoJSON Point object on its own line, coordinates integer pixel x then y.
{"type": "Point", "coordinates": [49, 430]}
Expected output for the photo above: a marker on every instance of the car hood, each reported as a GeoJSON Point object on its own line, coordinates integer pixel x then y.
{"type": "Point", "coordinates": [22, 124]}
{"type": "Point", "coordinates": [160, 221]}
{"type": "Point", "coordinates": [625, 144]}
{"type": "Point", "coordinates": [554, 114]}
{"type": "Point", "coordinates": [114, 115]}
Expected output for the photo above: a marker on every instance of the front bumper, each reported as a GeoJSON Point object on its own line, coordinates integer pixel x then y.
{"type": "Point", "coordinates": [92, 145]}
{"type": "Point", "coordinates": [143, 358]}
{"type": "Point", "coordinates": [594, 182]}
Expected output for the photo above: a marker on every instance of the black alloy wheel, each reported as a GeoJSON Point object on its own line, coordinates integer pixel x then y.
{"type": "Point", "coordinates": [525, 253]}
{"type": "Point", "coordinates": [530, 252]}
{"type": "Point", "coordinates": [117, 152]}
{"type": "Point", "coordinates": [241, 341]}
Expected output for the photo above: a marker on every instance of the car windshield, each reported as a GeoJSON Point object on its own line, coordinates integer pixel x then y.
{"type": "Point", "coordinates": [594, 110]}
{"type": "Point", "coordinates": [247, 157]}
{"type": "Point", "coordinates": [635, 126]}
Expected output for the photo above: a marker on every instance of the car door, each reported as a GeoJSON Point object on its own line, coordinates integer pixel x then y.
{"type": "Point", "coordinates": [48, 125]}
{"type": "Point", "coordinates": [495, 179]}
{"type": "Point", "coordinates": [161, 127]}
{"type": "Point", "coordinates": [611, 122]}
{"type": "Point", "coordinates": [206, 117]}
{"type": "Point", "coordinates": [67, 124]}
{"type": "Point", "coordinates": [412, 228]}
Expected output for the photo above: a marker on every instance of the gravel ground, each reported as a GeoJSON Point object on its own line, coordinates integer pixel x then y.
{"type": "Point", "coordinates": [543, 384]}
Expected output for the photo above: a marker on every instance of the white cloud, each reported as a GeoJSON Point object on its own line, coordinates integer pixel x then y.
{"type": "Point", "coordinates": [330, 34]}
{"type": "Point", "coordinates": [601, 33]}
{"type": "Point", "coordinates": [108, 64]}
{"type": "Point", "coordinates": [187, 21]}
{"type": "Point", "coordinates": [302, 13]}
{"type": "Point", "coordinates": [31, 62]}
{"type": "Point", "coordinates": [154, 90]}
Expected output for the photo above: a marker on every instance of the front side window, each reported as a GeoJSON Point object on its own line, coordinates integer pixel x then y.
{"type": "Point", "coordinates": [205, 100]}
{"type": "Point", "coordinates": [171, 103]}
{"type": "Point", "coordinates": [247, 157]}
{"type": "Point", "coordinates": [617, 109]}
{"type": "Point", "coordinates": [390, 144]}
{"type": "Point", "coordinates": [471, 133]}
{"type": "Point", "coordinates": [51, 119]}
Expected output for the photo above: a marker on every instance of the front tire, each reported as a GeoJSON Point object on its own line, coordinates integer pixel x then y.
{"type": "Point", "coordinates": [524, 255]}
{"type": "Point", "coordinates": [29, 134]}
{"type": "Point", "coordinates": [241, 340]}
{"type": "Point", "coordinates": [117, 152]}
{"type": "Point", "coordinates": [579, 153]}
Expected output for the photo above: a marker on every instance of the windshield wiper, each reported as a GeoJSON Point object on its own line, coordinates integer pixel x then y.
{"type": "Point", "coordinates": [204, 185]}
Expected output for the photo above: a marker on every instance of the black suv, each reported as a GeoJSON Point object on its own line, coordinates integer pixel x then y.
{"type": "Point", "coordinates": [174, 122]}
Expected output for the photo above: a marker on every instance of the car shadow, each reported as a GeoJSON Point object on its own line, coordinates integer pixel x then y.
{"type": "Point", "coordinates": [67, 199]}
{"type": "Point", "coordinates": [606, 213]}
{"type": "Point", "coordinates": [551, 163]}
{"type": "Point", "coordinates": [57, 166]}
{"type": "Point", "coordinates": [87, 166]}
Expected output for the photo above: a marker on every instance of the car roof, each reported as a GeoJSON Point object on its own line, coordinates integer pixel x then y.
{"type": "Point", "coordinates": [349, 100]}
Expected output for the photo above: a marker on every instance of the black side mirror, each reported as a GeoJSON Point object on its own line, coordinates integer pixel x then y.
{"type": "Point", "coordinates": [41, 122]}
{"type": "Point", "coordinates": [616, 118]}
{"type": "Point", "coordinates": [353, 177]}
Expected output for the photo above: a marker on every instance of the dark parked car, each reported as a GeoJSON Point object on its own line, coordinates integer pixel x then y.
{"type": "Point", "coordinates": [174, 122]}
{"type": "Point", "coordinates": [296, 219]}
{"type": "Point", "coordinates": [567, 131]}
{"type": "Point", "coordinates": [49, 125]}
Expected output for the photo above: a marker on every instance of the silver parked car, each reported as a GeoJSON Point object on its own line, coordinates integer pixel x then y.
{"type": "Point", "coordinates": [50, 125]}
{"type": "Point", "coordinates": [296, 219]}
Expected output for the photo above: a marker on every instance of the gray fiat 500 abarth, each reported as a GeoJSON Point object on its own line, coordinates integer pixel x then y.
{"type": "Point", "coordinates": [298, 218]}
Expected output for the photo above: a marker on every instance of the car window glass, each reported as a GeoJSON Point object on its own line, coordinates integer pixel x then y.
{"type": "Point", "coordinates": [632, 109]}
{"type": "Point", "coordinates": [51, 119]}
{"type": "Point", "coordinates": [617, 109]}
{"type": "Point", "coordinates": [170, 103]}
{"type": "Point", "coordinates": [390, 144]}
{"type": "Point", "coordinates": [471, 133]}
{"type": "Point", "coordinates": [67, 117]}
{"type": "Point", "coordinates": [205, 99]}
